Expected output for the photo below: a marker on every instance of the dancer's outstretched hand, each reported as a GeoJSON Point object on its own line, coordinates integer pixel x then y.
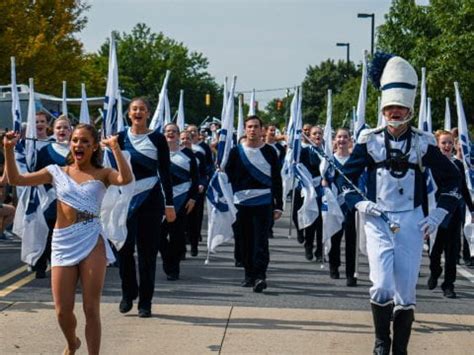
{"type": "Point", "coordinates": [10, 139]}
{"type": "Point", "coordinates": [110, 142]}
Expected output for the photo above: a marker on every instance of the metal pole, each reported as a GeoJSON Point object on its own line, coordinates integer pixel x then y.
{"type": "Point", "coordinates": [357, 226]}
{"type": "Point", "coordinates": [348, 53]}
{"type": "Point", "coordinates": [291, 209]}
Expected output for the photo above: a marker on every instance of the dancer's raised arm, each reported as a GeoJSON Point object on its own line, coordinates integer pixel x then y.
{"type": "Point", "coordinates": [14, 177]}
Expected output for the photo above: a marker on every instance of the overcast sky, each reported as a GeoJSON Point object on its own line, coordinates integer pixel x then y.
{"type": "Point", "coordinates": [266, 43]}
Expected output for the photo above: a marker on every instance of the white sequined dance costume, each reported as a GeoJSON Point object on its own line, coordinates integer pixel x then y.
{"type": "Point", "coordinates": [72, 244]}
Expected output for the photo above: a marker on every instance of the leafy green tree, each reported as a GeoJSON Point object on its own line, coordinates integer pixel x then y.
{"type": "Point", "coordinates": [41, 36]}
{"type": "Point", "coordinates": [143, 58]}
{"type": "Point", "coordinates": [320, 78]}
{"type": "Point", "coordinates": [438, 37]}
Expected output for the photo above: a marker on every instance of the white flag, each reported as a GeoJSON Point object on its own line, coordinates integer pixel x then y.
{"type": "Point", "coordinates": [447, 116]}
{"type": "Point", "coordinates": [240, 122]}
{"type": "Point", "coordinates": [332, 217]}
{"type": "Point", "coordinates": [361, 102]}
{"type": "Point", "coordinates": [16, 109]}
{"type": "Point", "coordinates": [464, 140]}
{"type": "Point", "coordinates": [84, 116]}
{"type": "Point", "coordinates": [64, 102]}
{"type": "Point", "coordinates": [221, 209]}
{"type": "Point", "coordinates": [325, 167]}
{"type": "Point", "coordinates": [180, 118]}
{"type": "Point", "coordinates": [422, 124]}
{"type": "Point", "coordinates": [252, 104]}
{"type": "Point", "coordinates": [157, 122]}
{"type": "Point", "coordinates": [110, 125]}
{"type": "Point", "coordinates": [429, 123]}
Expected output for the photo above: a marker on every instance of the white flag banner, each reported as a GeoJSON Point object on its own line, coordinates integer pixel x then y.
{"type": "Point", "coordinates": [359, 124]}
{"type": "Point", "coordinates": [252, 104]}
{"type": "Point", "coordinates": [240, 121]}
{"type": "Point", "coordinates": [332, 217]}
{"type": "Point", "coordinates": [422, 124]}
{"type": "Point", "coordinates": [447, 116]}
{"type": "Point", "coordinates": [64, 102]}
{"type": "Point", "coordinates": [180, 117]}
{"type": "Point", "coordinates": [294, 146]}
{"type": "Point", "coordinates": [110, 125]}
{"type": "Point", "coordinates": [167, 108]}
{"type": "Point", "coordinates": [428, 119]}
{"type": "Point", "coordinates": [16, 109]}
{"type": "Point", "coordinates": [325, 167]}
{"type": "Point", "coordinates": [84, 115]}
{"type": "Point", "coordinates": [221, 209]}
{"type": "Point", "coordinates": [309, 210]}
{"type": "Point", "coordinates": [29, 222]}
{"type": "Point", "coordinates": [157, 121]}
{"type": "Point", "coordinates": [464, 140]}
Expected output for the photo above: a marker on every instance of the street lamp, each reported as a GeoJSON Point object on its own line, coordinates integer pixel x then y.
{"type": "Point", "coordinates": [372, 16]}
{"type": "Point", "coordinates": [348, 46]}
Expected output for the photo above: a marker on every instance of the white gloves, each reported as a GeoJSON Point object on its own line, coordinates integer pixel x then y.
{"type": "Point", "coordinates": [429, 224]}
{"type": "Point", "coordinates": [368, 207]}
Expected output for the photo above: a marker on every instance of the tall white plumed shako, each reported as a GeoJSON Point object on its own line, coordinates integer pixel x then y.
{"type": "Point", "coordinates": [396, 78]}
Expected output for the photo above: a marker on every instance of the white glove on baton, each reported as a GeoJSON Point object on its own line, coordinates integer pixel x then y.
{"type": "Point", "coordinates": [429, 224]}
{"type": "Point", "coordinates": [369, 208]}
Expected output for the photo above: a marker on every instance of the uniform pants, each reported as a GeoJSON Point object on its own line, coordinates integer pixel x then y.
{"type": "Point", "coordinates": [172, 243]}
{"type": "Point", "coordinates": [349, 232]}
{"type": "Point", "coordinates": [394, 258]}
{"type": "Point", "coordinates": [446, 241]}
{"type": "Point", "coordinates": [143, 231]}
{"type": "Point", "coordinates": [252, 228]}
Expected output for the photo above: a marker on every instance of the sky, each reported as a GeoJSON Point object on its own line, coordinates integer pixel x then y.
{"type": "Point", "coordinates": [267, 43]}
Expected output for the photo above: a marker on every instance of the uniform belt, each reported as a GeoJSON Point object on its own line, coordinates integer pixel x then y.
{"type": "Point", "coordinates": [85, 217]}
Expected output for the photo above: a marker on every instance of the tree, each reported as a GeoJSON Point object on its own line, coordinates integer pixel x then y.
{"type": "Point", "coordinates": [320, 78]}
{"type": "Point", "coordinates": [40, 35]}
{"type": "Point", "coordinates": [438, 37]}
{"type": "Point", "coordinates": [143, 58]}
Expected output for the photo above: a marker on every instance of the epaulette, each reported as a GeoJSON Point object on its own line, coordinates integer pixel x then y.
{"type": "Point", "coordinates": [365, 134]}
{"type": "Point", "coordinates": [427, 137]}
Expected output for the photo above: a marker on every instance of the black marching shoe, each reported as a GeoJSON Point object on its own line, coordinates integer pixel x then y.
{"type": "Point", "coordinates": [308, 254]}
{"type": "Point", "coordinates": [194, 251]}
{"type": "Point", "coordinates": [40, 274]}
{"type": "Point", "coordinates": [382, 316]}
{"type": "Point", "coordinates": [144, 313]}
{"type": "Point", "coordinates": [449, 293]}
{"type": "Point", "coordinates": [351, 282]}
{"type": "Point", "coordinates": [125, 305]}
{"type": "Point", "coordinates": [333, 272]}
{"type": "Point", "coordinates": [172, 277]}
{"type": "Point", "coordinates": [402, 321]}
{"type": "Point", "coordinates": [259, 286]}
{"type": "Point", "coordinates": [300, 237]}
{"type": "Point", "coordinates": [247, 283]}
{"type": "Point", "coordinates": [432, 282]}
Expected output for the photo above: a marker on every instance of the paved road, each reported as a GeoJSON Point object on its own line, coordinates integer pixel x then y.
{"type": "Point", "coordinates": [303, 311]}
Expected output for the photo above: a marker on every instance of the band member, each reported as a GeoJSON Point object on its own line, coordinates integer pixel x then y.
{"type": "Point", "coordinates": [79, 249]}
{"type": "Point", "coordinates": [206, 165]}
{"type": "Point", "coordinates": [254, 173]}
{"type": "Point", "coordinates": [341, 155]}
{"type": "Point", "coordinates": [310, 159]}
{"type": "Point", "coordinates": [270, 139]}
{"type": "Point", "coordinates": [446, 240]}
{"type": "Point", "coordinates": [184, 174]}
{"type": "Point", "coordinates": [150, 159]}
{"type": "Point", "coordinates": [395, 157]}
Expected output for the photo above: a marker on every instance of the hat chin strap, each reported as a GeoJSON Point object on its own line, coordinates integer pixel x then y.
{"type": "Point", "coordinates": [397, 123]}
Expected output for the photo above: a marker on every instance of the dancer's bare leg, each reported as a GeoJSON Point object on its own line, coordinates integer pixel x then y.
{"type": "Point", "coordinates": [63, 284]}
{"type": "Point", "coordinates": [92, 275]}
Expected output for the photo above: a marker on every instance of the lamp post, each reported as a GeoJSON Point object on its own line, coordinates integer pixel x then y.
{"type": "Point", "coordinates": [348, 46]}
{"type": "Point", "coordinates": [372, 16]}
